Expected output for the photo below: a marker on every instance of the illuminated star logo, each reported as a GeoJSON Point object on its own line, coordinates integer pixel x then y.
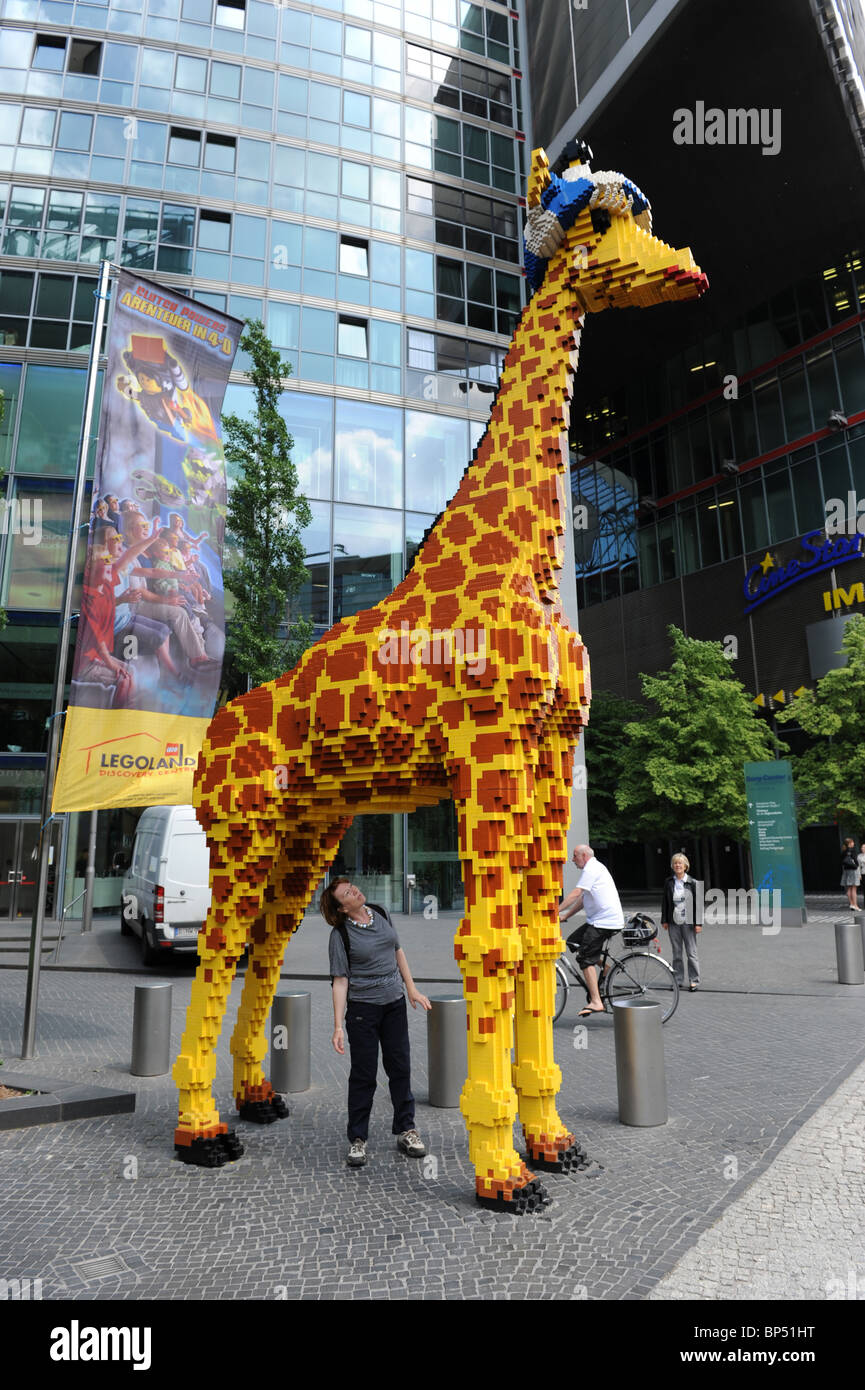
{"type": "Point", "coordinates": [768, 562]}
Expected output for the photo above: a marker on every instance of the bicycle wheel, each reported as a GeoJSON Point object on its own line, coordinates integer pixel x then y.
{"type": "Point", "coordinates": [561, 991]}
{"type": "Point", "coordinates": [644, 974]}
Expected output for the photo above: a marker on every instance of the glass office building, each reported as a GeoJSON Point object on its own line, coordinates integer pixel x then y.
{"type": "Point", "coordinates": [348, 171]}
{"type": "Point", "coordinates": [707, 439]}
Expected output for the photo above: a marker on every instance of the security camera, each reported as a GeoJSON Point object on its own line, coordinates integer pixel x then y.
{"type": "Point", "coordinates": [837, 421]}
{"type": "Point", "coordinates": [730, 467]}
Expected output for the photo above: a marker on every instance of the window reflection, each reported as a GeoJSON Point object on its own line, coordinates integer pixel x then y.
{"type": "Point", "coordinates": [436, 455]}
{"type": "Point", "coordinates": [310, 422]}
{"type": "Point", "coordinates": [368, 454]}
{"type": "Point", "coordinates": [367, 557]}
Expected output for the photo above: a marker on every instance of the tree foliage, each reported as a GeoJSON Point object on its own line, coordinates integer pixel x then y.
{"type": "Point", "coordinates": [829, 777]}
{"type": "Point", "coordinates": [265, 518]}
{"type": "Point", "coordinates": [682, 769]}
{"type": "Point", "coordinates": [605, 750]}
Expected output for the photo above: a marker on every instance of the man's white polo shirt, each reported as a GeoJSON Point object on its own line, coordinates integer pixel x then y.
{"type": "Point", "coordinates": [600, 899]}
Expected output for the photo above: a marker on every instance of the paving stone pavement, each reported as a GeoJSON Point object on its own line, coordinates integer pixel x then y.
{"type": "Point", "coordinates": [750, 1059]}
{"type": "Point", "coordinates": [813, 1195]}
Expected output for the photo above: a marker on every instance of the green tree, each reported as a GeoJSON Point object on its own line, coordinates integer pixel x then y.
{"type": "Point", "coordinates": [829, 776]}
{"type": "Point", "coordinates": [266, 515]}
{"type": "Point", "coordinates": [682, 766]}
{"type": "Point", "coordinates": [605, 745]}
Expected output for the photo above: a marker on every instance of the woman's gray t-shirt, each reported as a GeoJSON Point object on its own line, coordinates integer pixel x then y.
{"type": "Point", "coordinates": [373, 974]}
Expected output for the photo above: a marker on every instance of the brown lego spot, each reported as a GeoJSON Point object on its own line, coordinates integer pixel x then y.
{"type": "Point", "coordinates": [363, 706]}
{"type": "Point", "coordinates": [445, 612]}
{"type": "Point", "coordinates": [346, 662]}
{"type": "Point", "coordinates": [329, 711]}
{"type": "Point", "coordinates": [412, 704]}
{"type": "Point", "coordinates": [224, 728]}
{"type": "Point", "coordinates": [258, 708]}
{"type": "Point", "coordinates": [292, 726]}
{"type": "Point", "coordinates": [486, 1025]}
{"type": "Point", "coordinates": [486, 747]}
{"type": "Point", "coordinates": [208, 777]}
{"type": "Point", "coordinates": [447, 575]}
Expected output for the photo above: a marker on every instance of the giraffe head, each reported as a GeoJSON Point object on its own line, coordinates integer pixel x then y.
{"type": "Point", "coordinates": [602, 224]}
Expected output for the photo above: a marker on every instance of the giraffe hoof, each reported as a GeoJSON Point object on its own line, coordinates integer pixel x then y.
{"type": "Point", "coordinates": [263, 1112]}
{"type": "Point", "coordinates": [530, 1197]}
{"type": "Point", "coordinates": [210, 1153]}
{"type": "Point", "coordinates": [573, 1159]}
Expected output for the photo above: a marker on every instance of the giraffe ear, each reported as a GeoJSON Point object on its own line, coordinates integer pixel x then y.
{"type": "Point", "coordinates": [539, 178]}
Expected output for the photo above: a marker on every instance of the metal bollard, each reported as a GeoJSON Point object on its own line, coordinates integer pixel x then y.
{"type": "Point", "coordinates": [151, 1030]}
{"type": "Point", "coordinates": [290, 1041]}
{"type": "Point", "coordinates": [640, 1077]}
{"type": "Point", "coordinates": [447, 1052]}
{"type": "Point", "coordinates": [860, 918]}
{"type": "Point", "coordinates": [849, 953]}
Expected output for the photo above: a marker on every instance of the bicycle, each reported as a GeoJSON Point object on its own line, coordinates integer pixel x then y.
{"type": "Point", "coordinates": [631, 976]}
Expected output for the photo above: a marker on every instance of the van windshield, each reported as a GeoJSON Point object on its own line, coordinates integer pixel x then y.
{"type": "Point", "coordinates": [188, 859]}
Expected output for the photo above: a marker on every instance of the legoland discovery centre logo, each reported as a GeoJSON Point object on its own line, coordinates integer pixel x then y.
{"type": "Point", "coordinates": [767, 578]}
{"type": "Point", "coordinates": [107, 759]}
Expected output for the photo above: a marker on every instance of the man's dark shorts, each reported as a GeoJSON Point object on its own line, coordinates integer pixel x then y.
{"type": "Point", "coordinates": [588, 943]}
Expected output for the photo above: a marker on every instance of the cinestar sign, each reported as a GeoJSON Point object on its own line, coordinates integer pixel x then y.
{"type": "Point", "coordinates": [767, 578]}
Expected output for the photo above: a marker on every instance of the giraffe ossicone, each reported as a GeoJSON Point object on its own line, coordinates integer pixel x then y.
{"type": "Point", "coordinates": [285, 768]}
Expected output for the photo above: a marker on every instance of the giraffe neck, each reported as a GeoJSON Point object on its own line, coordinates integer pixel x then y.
{"type": "Point", "coordinates": [512, 493]}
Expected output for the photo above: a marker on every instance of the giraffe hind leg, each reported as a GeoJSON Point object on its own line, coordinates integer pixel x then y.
{"type": "Point", "coordinates": [241, 858]}
{"type": "Point", "coordinates": [304, 853]}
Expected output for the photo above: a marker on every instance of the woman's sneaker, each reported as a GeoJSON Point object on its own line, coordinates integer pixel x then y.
{"type": "Point", "coordinates": [410, 1142]}
{"type": "Point", "coordinates": [357, 1153]}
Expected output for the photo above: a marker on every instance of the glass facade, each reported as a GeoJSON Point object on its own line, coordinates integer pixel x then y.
{"type": "Point", "coordinates": [688, 466]}
{"type": "Point", "coordinates": [350, 172]}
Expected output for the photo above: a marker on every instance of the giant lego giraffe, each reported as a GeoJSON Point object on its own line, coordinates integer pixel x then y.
{"type": "Point", "coordinates": [380, 717]}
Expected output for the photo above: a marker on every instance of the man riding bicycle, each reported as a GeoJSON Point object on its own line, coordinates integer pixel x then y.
{"type": "Point", "coordinates": [596, 894]}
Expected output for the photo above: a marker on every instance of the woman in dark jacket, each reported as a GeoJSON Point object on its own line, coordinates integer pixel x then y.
{"type": "Point", "coordinates": [850, 876]}
{"type": "Point", "coordinates": [679, 918]}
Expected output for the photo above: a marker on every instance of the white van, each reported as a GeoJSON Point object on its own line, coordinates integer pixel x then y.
{"type": "Point", "coordinates": [166, 890]}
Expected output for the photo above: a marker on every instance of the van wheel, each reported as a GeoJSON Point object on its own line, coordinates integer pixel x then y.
{"type": "Point", "coordinates": [149, 953]}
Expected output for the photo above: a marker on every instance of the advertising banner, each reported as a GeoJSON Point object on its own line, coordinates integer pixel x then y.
{"type": "Point", "coordinates": [151, 634]}
{"type": "Point", "coordinates": [775, 836]}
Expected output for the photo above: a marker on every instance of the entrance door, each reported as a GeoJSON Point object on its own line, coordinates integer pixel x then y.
{"type": "Point", "coordinates": [19, 869]}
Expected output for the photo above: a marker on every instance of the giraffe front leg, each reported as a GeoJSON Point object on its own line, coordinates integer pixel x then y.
{"type": "Point", "coordinates": [488, 949]}
{"type": "Point", "coordinates": [550, 1145]}
{"type": "Point", "coordinates": [239, 867]}
{"type": "Point", "coordinates": [254, 1096]}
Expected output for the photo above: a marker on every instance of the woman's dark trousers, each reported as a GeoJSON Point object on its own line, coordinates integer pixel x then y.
{"type": "Point", "coordinates": [370, 1026]}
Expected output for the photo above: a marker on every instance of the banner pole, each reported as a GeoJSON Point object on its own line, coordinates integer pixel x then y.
{"type": "Point", "coordinates": [46, 818]}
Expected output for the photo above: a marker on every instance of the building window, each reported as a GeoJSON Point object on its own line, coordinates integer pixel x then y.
{"type": "Point", "coordinates": [220, 153]}
{"type": "Point", "coordinates": [230, 14]}
{"type": "Point", "coordinates": [191, 74]}
{"type": "Point", "coordinates": [353, 256]}
{"type": "Point", "coordinates": [455, 82]}
{"type": "Point", "coordinates": [49, 53]}
{"type": "Point", "coordinates": [84, 57]}
{"type": "Point", "coordinates": [352, 339]}
{"type": "Point", "coordinates": [214, 231]}
{"type": "Point", "coordinates": [469, 221]}
{"type": "Point", "coordinates": [184, 147]}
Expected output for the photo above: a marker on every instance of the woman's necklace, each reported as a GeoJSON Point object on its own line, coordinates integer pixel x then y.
{"type": "Point", "coordinates": [367, 923]}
